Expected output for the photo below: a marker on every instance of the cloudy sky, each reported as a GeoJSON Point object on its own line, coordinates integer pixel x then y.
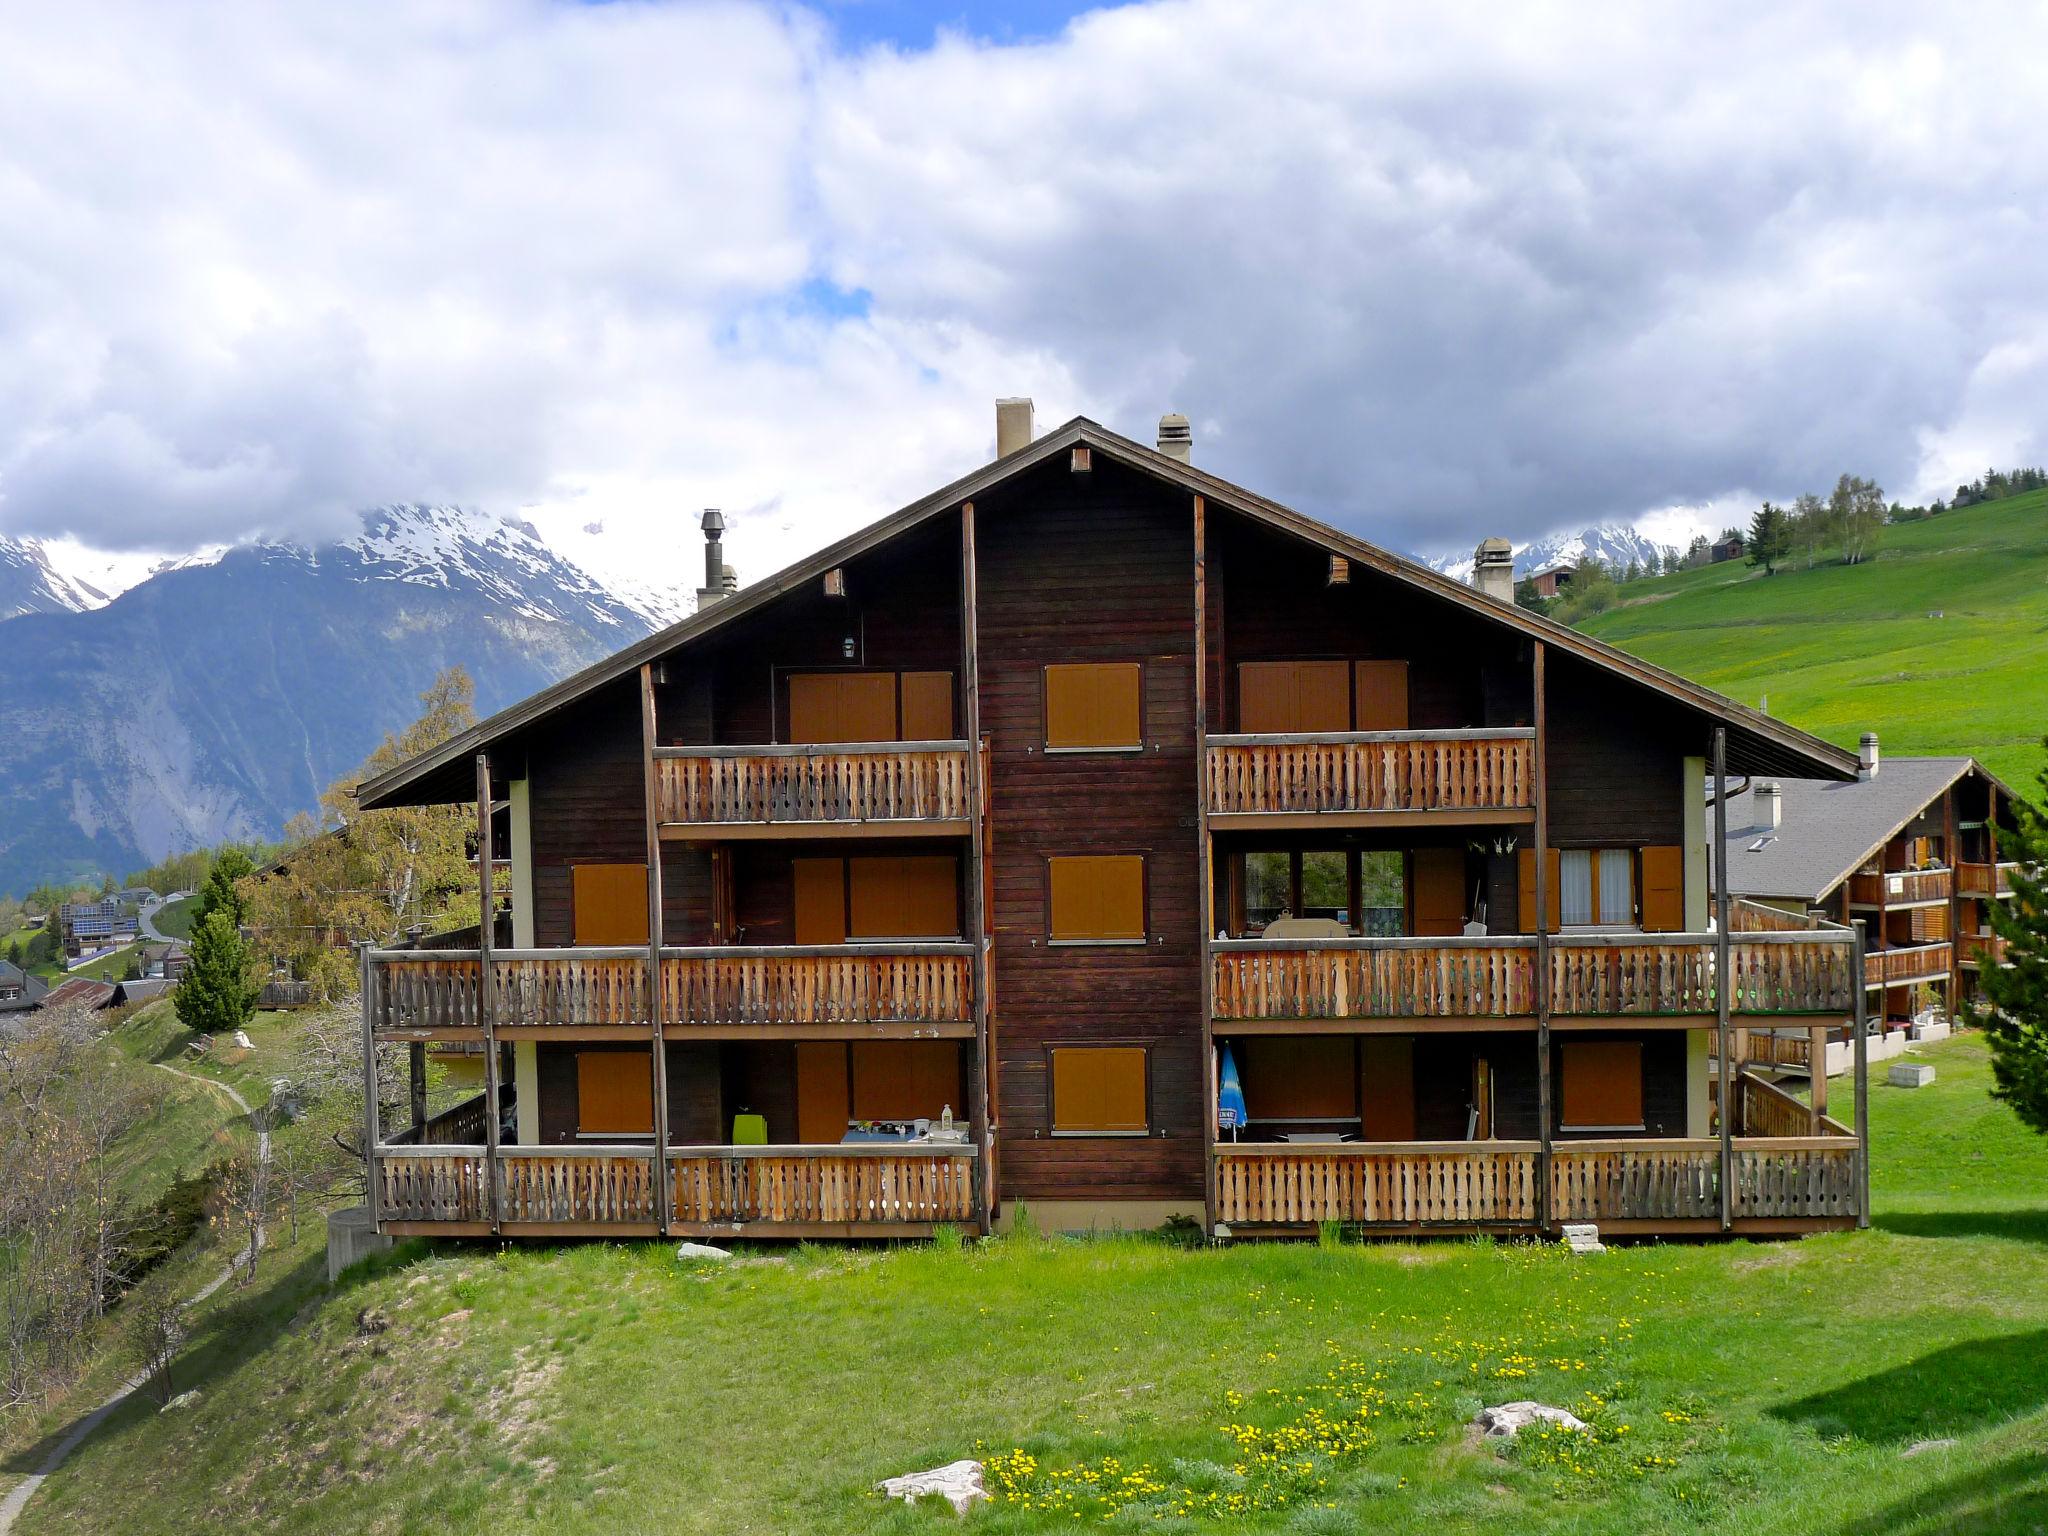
{"type": "Point", "coordinates": [1429, 271]}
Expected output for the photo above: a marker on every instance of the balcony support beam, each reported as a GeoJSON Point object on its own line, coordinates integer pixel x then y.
{"type": "Point", "coordinates": [1541, 758]}
{"type": "Point", "coordinates": [981, 1109]}
{"type": "Point", "coordinates": [1205, 886]}
{"type": "Point", "coordinates": [485, 1007]}
{"type": "Point", "coordinates": [658, 1051]}
{"type": "Point", "coordinates": [1860, 1051]}
{"type": "Point", "coordinates": [1725, 1096]}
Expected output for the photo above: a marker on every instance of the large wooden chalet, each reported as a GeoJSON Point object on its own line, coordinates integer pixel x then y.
{"type": "Point", "coordinates": [1197, 857]}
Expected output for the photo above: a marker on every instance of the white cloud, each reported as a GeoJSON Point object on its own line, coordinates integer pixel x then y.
{"type": "Point", "coordinates": [1433, 273]}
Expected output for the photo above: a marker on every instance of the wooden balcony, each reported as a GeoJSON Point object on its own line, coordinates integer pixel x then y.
{"type": "Point", "coordinates": [1361, 778]}
{"type": "Point", "coordinates": [806, 1191]}
{"type": "Point", "coordinates": [1275, 985]}
{"type": "Point", "coordinates": [1978, 949]}
{"type": "Point", "coordinates": [1985, 879]}
{"type": "Point", "coordinates": [1900, 887]}
{"type": "Point", "coordinates": [1789, 1183]}
{"type": "Point", "coordinates": [1905, 964]}
{"type": "Point", "coordinates": [895, 788]}
{"type": "Point", "coordinates": [820, 992]}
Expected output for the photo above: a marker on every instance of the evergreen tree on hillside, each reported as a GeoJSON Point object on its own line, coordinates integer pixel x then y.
{"type": "Point", "coordinates": [220, 893]}
{"type": "Point", "coordinates": [214, 996]}
{"type": "Point", "coordinates": [1769, 538]}
{"type": "Point", "coordinates": [2014, 1009]}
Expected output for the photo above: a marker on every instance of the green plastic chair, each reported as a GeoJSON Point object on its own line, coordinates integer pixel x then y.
{"type": "Point", "coordinates": [750, 1130]}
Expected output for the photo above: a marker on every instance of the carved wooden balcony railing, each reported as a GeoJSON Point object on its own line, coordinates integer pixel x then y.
{"type": "Point", "coordinates": [856, 1188]}
{"type": "Point", "coordinates": [1485, 771]}
{"type": "Point", "coordinates": [1985, 879]}
{"type": "Point", "coordinates": [907, 987]}
{"type": "Point", "coordinates": [1608, 975]}
{"type": "Point", "coordinates": [1900, 886]}
{"type": "Point", "coordinates": [1912, 962]}
{"type": "Point", "coordinates": [1982, 949]}
{"type": "Point", "coordinates": [910, 784]}
{"type": "Point", "coordinates": [1792, 1179]}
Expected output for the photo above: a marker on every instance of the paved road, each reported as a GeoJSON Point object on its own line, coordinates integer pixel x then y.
{"type": "Point", "coordinates": [147, 917]}
{"type": "Point", "coordinates": [18, 1496]}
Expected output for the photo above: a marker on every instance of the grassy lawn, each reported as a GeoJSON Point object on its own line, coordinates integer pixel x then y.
{"type": "Point", "coordinates": [1740, 1387]}
{"type": "Point", "coordinates": [1839, 650]}
{"type": "Point", "coordinates": [174, 918]}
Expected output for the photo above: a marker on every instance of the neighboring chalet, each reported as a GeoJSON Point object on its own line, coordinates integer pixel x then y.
{"type": "Point", "coordinates": [1721, 551]}
{"type": "Point", "coordinates": [1553, 580]}
{"type": "Point", "coordinates": [1907, 850]}
{"type": "Point", "coordinates": [91, 925]}
{"type": "Point", "coordinates": [81, 992]}
{"type": "Point", "coordinates": [165, 961]}
{"type": "Point", "coordinates": [19, 990]}
{"type": "Point", "coordinates": [1193, 856]}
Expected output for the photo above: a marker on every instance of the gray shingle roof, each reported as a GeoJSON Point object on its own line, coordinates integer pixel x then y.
{"type": "Point", "coordinates": [1828, 829]}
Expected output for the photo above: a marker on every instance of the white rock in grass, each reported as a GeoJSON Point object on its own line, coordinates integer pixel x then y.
{"type": "Point", "coordinates": [1510, 1419]}
{"type": "Point", "coordinates": [1921, 1447]}
{"type": "Point", "coordinates": [688, 1252]}
{"type": "Point", "coordinates": [187, 1399]}
{"type": "Point", "coordinates": [958, 1483]}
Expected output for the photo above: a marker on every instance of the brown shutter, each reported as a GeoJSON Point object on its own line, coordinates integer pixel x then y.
{"type": "Point", "coordinates": [1387, 1087]}
{"type": "Point", "coordinates": [1382, 695]}
{"type": "Point", "coordinates": [927, 706]}
{"type": "Point", "coordinates": [905, 897]}
{"type": "Point", "coordinates": [1525, 876]}
{"type": "Point", "coordinates": [1094, 704]}
{"type": "Point", "coordinates": [905, 1079]}
{"type": "Point", "coordinates": [842, 706]}
{"type": "Point", "coordinates": [1099, 1089]}
{"type": "Point", "coordinates": [1097, 896]}
{"type": "Point", "coordinates": [608, 903]}
{"type": "Point", "coordinates": [1301, 696]}
{"type": "Point", "coordinates": [1299, 1077]}
{"type": "Point", "coordinates": [822, 1101]}
{"type": "Point", "coordinates": [820, 886]}
{"type": "Point", "coordinates": [1439, 892]}
{"type": "Point", "coordinates": [1322, 696]}
{"type": "Point", "coordinates": [1664, 889]}
{"type": "Point", "coordinates": [614, 1093]}
{"type": "Point", "coordinates": [1603, 1085]}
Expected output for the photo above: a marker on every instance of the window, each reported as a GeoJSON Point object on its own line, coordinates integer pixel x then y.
{"type": "Point", "coordinates": [838, 1081]}
{"type": "Point", "coordinates": [1366, 891]}
{"type": "Point", "coordinates": [608, 903]}
{"type": "Point", "coordinates": [1602, 1085]}
{"type": "Point", "coordinates": [1382, 892]}
{"type": "Point", "coordinates": [1096, 898]}
{"type": "Point", "coordinates": [1300, 1077]}
{"type": "Point", "coordinates": [1325, 885]}
{"type": "Point", "coordinates": [1099, 1091]}
{"type": "Point", "coordinates": [1268, 888]}
{"type": "Point", "coordinates": [1094, 707]}
{"type": "Point", "coordinates": [1596, 887]}
{"type": "Point", "coordinates": [614, 1093]}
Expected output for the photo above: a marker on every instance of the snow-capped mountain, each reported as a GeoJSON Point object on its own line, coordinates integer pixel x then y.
{"type": "Point", "coordinates": [1610, 543]}
{"type": "Point", "coordinates": [63, 576]}
{"type": "Point", "coordinates": [216, 698]}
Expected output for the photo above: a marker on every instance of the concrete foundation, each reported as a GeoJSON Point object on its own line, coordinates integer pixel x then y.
{"type": "Point", "coordinates": [351, 1238]}
{"type": "Point", "coordinates": [1910, 1074]}
{"type": "Point", "coordinates": [1100, 1215]}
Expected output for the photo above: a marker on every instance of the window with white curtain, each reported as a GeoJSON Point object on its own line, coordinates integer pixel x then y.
{"type": "Point", "coordinates": [1596, 887]}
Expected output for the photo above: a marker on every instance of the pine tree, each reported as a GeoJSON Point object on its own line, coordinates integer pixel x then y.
{"type": "Point", "coordinates": [2014, 1009]}
{"type": "Point", "coordinates": [214, 996]}
{"type": "Point", "coordinates": [1769, 538]}
{"type": "Point", "coordinates": [220, 893]}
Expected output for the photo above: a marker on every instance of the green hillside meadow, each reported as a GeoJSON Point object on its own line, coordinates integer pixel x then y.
{"type": "Point", "coordinates": [1939, 643]}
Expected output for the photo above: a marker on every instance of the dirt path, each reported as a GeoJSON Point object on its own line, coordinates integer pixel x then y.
{"type": "Point", "coordinates": [18, 1496]}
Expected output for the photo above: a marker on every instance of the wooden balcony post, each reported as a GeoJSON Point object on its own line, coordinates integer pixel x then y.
{"type": "Point", "coordinates": [1540, 718]}
{"type": "Point", "coordinates": [1860, 1053]}
{"type": "Point", "coordinates": [980, 1110]}
{"type": "Point", "coordinates": [367, 981]}
{"type": "Point", "coordinates": [1205, 895]}
{"type": "Point", "coordinates": [1952, 990]}
{"type": "Point", "coordinates": [1817, 1072]}
{"type": "Point", "coordinates": [657, 1048]}
{"type": "Point", "coordinates": [485, 1009]}
{"type": "Point", "coordinates": [416, 1081]}
{"type": "Point", "coordinates": [1721, 976]}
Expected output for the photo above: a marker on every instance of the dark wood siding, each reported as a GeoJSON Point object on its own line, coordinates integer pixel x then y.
{"type": "Point", "coordinates": [589, 801]}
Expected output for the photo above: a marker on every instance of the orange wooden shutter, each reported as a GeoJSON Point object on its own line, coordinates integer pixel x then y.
{"type": "Point", "coordinates": [1664, 889]}
{"type": "Point", "coordinates": [1098, 1089]}
{"type": "Point", "coordinates": [1387, 1087]}
{"type": "Point", "coordinates": [1097, 896]}
{"type": "Point", "coordinates": [614, 1093]}
{"type": "Point", "coordinates": [1322, 696]}
{"type": "Point", "coordinates": [1525, 875]}
{"type": "Point", "coordinates": [905, 897]}
{"type": "Point", "coordinates": [1382, 695]}
{"type": "Point", "coordinates": [842, 706]}
{"type": "Point", "coordinates": [1439, 891]}
{"type": "Point", "coordinates": [822, 1102]}
{"type": "Point", "coordinates": [1603, 1085]}
{"type": "Point", "coordinates": [608, 903]}
{"type": "Point", "coordinates": [927, 706]}
{"type": "Point", "coordinates": [820, 900]}
{"type": "Point", "coordinates": [1299, 1077]}
{"type": "Point", "coordinates": [906, 1079]}
{"type": "Point", "coordinates": [1093, 704]}
{"type": "Point", "coordinates": [1265, 696]}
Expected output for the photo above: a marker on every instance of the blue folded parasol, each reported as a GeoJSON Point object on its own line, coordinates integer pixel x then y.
{"type": "Point", "coordinates": [1230, 1113]}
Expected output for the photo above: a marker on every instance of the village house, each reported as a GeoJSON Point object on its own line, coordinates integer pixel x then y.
{"type": "Point", "coordinates": [1098, 836]}
{"type": "Point", "coordinates": [20, 991]}
{"type": "Point", "coordinates": [95, 925]}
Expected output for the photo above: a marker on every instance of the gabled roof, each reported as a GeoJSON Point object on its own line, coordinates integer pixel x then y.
{"type": "Point", "coordinates": [1828, 830]}
{"type": "Point", "coordinates": [82, 990]}
{"type": "Point", "coordinates": [1755, 741]}
{"type": "Point", "coordinates": [33, 988]}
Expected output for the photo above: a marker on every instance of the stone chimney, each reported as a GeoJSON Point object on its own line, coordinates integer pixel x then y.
{"type": "Point", "coordinates": [1176, 437]}
{"type": "Point", "coordinates": [1493, 570]}
{"type": "Point", "coordinates": [1770, 805]}
{"type": "Point", "coordinates": [1013, 426]}
{"type": "Point", "coordinates": [720, 580]}
{"type": "Point", "coordinates": [1866, 757]}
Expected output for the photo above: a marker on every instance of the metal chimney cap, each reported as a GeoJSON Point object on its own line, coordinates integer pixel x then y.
{"type": "Point", "coordinates": [1176, 437]}
{"type": "Point", "coordinates": [713, 523]}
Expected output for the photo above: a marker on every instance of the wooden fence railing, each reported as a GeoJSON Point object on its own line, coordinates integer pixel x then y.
{"type": "Point", "coordinates": [1398, 1184]}
{"type": "Point", "coordinates": [1773, 1050]}
{"type": "Point", "coordinates": [460, 1125]}
{"type": "Point", "coordinates": [1912, 962]}
{"type": "Point", "coordinates": [441, 1184]}
{"type": "Point", "coordinates": [1604, 975]}
{"type": "Point", "coordinates": [1895, 886]}
{"type": "Point", "coordinates": [578, 1186]}
{"type": "Point", "coordinates": [1983, 949]}
{"type": "Point", "coordinates": [1985, 879]}
{"type": "Point", "coordinates": [1762, 1108]}
{"type": "Point", "coordinates": [828, 984]}
{"type": "Point", "coordinates": [1371, 771]}
{"type": "Point", "coordinates": [1745, 916]}
{"type": "Point", "coordinates": [1785, 1178]}
{"type": "Point", "coordinates": [833, 1186]}
{"type": "Point", "coordinates": [879, 781]}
